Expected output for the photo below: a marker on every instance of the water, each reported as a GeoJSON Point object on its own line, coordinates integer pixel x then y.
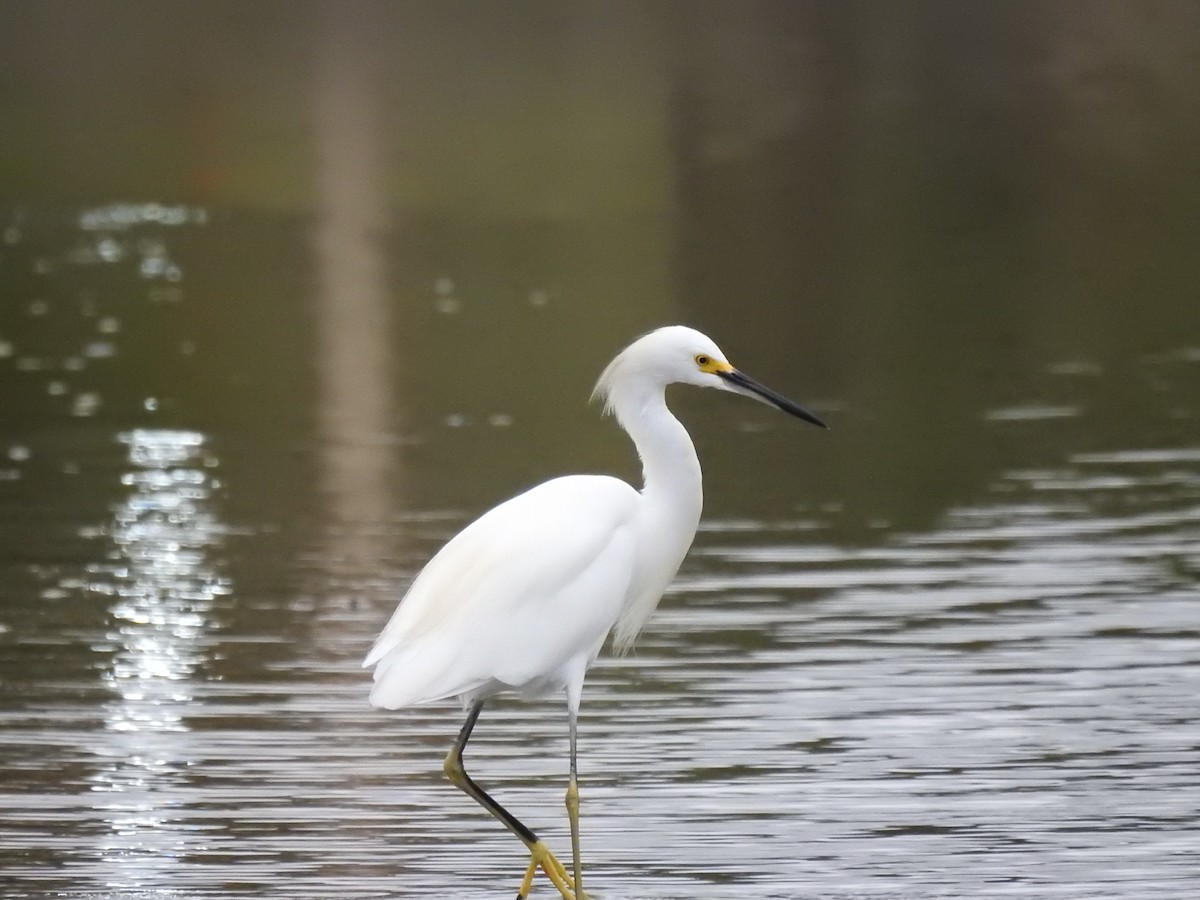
{"type": "Point", "coordinates": [948, 649]}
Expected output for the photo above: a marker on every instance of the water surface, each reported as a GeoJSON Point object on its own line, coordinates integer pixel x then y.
{"type": "Point", "coordinates": [948, 649]}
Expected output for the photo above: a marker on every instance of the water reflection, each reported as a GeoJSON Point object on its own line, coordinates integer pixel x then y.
{"type": "Point", "coordinates": [162, 581]}
{"type": "Point", "coordinates": [354, 408]}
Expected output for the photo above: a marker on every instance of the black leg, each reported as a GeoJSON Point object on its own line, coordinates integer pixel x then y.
{"type": "Point", "coordinates": [540, 856]}
{"type": "Point", "coordinates": [458, 775]}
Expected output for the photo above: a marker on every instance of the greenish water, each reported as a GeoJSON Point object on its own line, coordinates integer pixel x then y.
{"type": "Point", "coordinates": [947, 649]}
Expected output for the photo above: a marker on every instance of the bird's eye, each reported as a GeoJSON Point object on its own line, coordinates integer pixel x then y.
{"type": "Point", "coordinates": [702, 360]}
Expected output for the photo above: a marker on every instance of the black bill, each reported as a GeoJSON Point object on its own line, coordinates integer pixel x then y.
{"type": "Point", "coordinates": [744, 384]}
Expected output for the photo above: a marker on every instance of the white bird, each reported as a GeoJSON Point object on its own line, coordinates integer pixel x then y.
{"type": "Point", "coordinates": [524, 597]}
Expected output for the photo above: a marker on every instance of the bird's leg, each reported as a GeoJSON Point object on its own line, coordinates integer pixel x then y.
{"type": "Point", "coordinates": [573, 814]}
{"type": "Point", "coordinates": [540, 855]}
{"type": "Point", "coordinates": [527, 881]}
{"type": "Point", "coordinates": [558, 876]}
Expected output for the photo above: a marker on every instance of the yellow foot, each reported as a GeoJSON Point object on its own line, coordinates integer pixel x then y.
{"type": "Point", "coordinates": [540, 857]}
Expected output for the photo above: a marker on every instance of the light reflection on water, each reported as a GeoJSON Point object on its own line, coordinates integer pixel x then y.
{"type": "Point", "coordinates": [161, 580]}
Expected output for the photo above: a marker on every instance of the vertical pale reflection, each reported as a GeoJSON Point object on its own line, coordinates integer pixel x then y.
{"type": "Point", "coordinates": [354, 410]}
{"type": "Point", "coordinates": [162, 582]}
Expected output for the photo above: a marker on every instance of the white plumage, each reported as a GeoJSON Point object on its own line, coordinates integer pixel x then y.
{"type": "Point", "coordinates": [524, 597]}
{"type": "Point", "coordinates": [484, 615]}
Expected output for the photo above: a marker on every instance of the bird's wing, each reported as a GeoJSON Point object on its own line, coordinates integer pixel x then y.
{"type": "Point", "coordinates": [528, 586]}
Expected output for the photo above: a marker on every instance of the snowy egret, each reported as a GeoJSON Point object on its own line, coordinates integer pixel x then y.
{"type": "Point", "coordinates": [523, 598]}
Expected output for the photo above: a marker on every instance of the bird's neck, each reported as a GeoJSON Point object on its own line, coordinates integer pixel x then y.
{"type": "Point", "coordinates": [670, 468]}
{"type": "Point", "coordinates": [672, 497]}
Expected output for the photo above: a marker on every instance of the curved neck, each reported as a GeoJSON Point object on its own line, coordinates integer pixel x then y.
{"type": "Point", "coordinates": [670, 468]}
{"type": "Point", "coordinates": [672, 497]}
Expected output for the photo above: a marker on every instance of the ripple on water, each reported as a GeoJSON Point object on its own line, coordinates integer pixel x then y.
{"type": "Point", "coordinates": [1000, 706]}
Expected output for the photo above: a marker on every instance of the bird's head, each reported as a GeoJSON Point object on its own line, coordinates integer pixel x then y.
{"type": "Point", "coordinates": [677, 354]}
